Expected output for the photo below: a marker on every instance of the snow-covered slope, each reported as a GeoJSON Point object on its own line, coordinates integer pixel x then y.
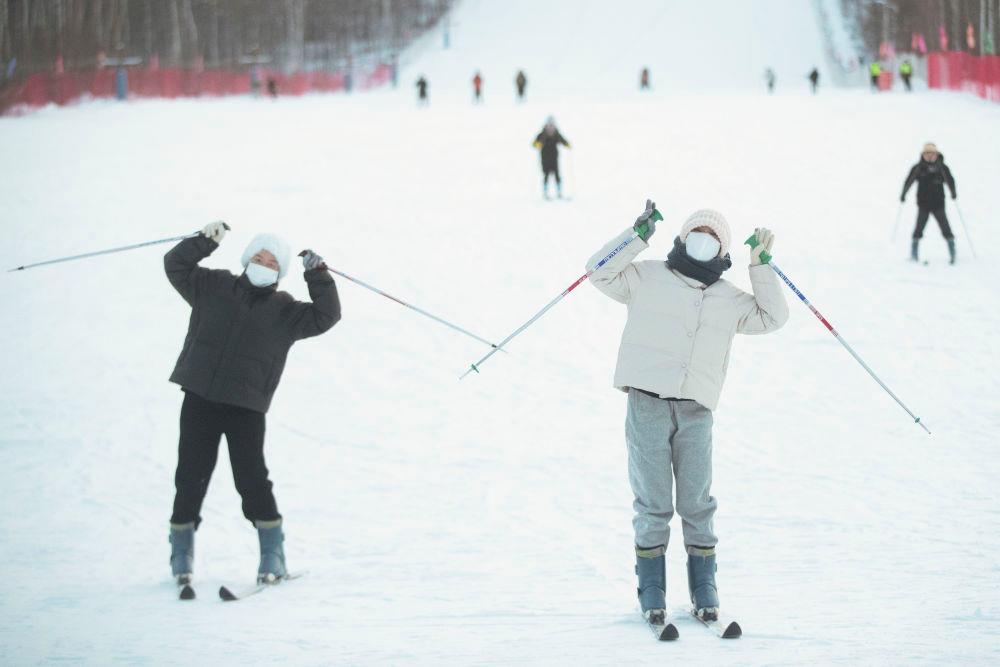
{"type": "Point", "coordinates": [595, 47]}
{"type": "Point", "coordinates": [487, 521]}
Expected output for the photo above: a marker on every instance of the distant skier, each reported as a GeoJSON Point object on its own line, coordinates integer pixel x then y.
{"type": "Point", "coordinates": [874, 73]}
{"type": "Point", "coordinates": [905, 72]}
{"type": "Point", "coordinates": [422, 99]}
{"type": "Point", "coordinates": [644, 79]}
{"type": "Point", "coordinates": [771, 79]}
{"type": "Point", "coordinates": [931, 175]}
{"type": "Point", "coordinates": [814, 80]}
{"type": "Point", "coordinates": [547, 142]}
{"type": "Point", "coordinates": [672, 362]}
{"type": "Point", "coordinates": [272, 88]}
{"type": "Point", "coordinates": [240, 331]}
{"type": "Point", "coordinates": [521, 83]}
{"type": "Point", "coordinates": [477, 87]}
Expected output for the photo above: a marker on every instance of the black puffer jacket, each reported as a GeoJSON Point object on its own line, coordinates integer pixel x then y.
{"type": "Point", "coordinates": [239, 335]}
{"type": "Point", "coordinates": [549, 144]}
{"type": "Point", "coordinates": [931, 178]}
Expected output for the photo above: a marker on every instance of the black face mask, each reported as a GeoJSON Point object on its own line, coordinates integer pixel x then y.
{"type": "Point", "coordinates": [706, 272]}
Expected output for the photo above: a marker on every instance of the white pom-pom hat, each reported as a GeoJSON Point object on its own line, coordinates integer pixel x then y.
{"type": "Point", "coordinates": [706, 217]}
{"type": "Point", "coordinates": [273, 244]}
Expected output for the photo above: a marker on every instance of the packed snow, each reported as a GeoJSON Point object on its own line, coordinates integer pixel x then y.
{"type": "Point", "coordinates": [488, 520]}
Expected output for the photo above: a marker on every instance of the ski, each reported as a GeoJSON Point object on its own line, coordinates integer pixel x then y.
{"type": "Point", "coordinates": [227, 594]}
{"type": "Point", "coordinates": [661, 627]}
{"type": "Point", "coordinates": [722, 627]}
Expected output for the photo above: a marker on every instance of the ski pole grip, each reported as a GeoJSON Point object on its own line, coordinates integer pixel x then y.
{"type": "Point", "coordinates": [644, 227]}
{"type": "Point", "coordinates": [765, 257]}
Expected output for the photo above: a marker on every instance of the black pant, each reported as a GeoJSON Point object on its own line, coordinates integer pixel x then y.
{"type": "Point", "coordinates": [203, 424]}
{"type": "Point", "coordinates": [553, 170]}
{"type": "Point", "coordinates": [939, 215]}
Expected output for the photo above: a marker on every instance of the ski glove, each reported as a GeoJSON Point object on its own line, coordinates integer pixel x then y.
{"type": "Point", "coordinates": [311, 260]}
{"type": "Point", "coordinates": [646, 219]}
{"type": "Point", "coordinates": [215, 231]}
{"type": "Point", "coordinates": [765, 241]}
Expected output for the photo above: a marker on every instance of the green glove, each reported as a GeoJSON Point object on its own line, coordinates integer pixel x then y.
{"type": "Point", "coordinates": [760, 245]}
{"type": "Point", "coordinates": [645, 224]}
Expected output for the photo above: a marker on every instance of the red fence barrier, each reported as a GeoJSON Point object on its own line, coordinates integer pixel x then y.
{"type": "Point", "coordinates": [37, 90]}
{"type": "Point", "coordinates": [969, 73]}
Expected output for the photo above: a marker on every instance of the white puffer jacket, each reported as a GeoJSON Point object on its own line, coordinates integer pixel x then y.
{"type": "Point", "coordinates": [678, 334]}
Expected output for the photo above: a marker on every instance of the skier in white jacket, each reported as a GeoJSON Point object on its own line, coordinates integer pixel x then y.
{"type": "Point", "coordinates": [674, 353]}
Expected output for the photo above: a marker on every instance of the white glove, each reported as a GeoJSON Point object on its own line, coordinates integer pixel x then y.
{"type": "Point", "coordinates": [215, 231]}
{"type": "Point", "coordinates": [311, 260]}
{"type": "Point", "coordinates": [765, 241]}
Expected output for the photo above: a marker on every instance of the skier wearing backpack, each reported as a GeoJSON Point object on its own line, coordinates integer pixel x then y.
{"type": "Point", "coordinates": [239, 334]}
{"type": "Point", "coordinates": [674, 353]}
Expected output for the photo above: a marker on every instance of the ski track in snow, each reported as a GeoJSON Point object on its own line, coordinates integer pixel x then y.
{"type": "Point", "coordinates": [487, 521]}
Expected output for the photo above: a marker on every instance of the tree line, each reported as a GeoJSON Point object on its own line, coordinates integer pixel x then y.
{"type": "Point", "coordinates": [287, 34]}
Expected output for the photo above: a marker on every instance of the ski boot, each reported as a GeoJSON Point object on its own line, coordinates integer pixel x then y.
{"type": "Point", "coordinates": [272, 552]}
{"type": "Point", "coordinates": [701, 582]}
{"type": "Point", "coordinates": [951, 251]}
{"type": "Point", "coordinates": [559, 190]}
{"type": "Point", "coordinates": [182, 552]}
{"type": "Point", "coordinates": [913, 250]}
{"type": "Point", "coordinates": [651, 567]}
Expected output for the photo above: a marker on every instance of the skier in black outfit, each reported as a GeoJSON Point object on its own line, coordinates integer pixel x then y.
{"type": "Point", "coordinates": [521, 81]}
{"type": "Point", "coordinates": [422, 91]}
{"type": "Point", "coordinates": [240, 331]}
{"type": "Point", "coordinates": [814, 80]}
{"type": "Point", "coordinates": [931, 175]}
{"type": "Point", "coordinates": [548, 141]}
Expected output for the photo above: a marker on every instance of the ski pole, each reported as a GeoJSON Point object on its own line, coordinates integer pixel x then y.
{"type": "Point", "coordinates": [766, 259]}
{"type": "Point", "coordinates": [108, 251]}
{"type": "Point", "coordinates": [410, 306]}
{"type": "Point", "coordinates": [475, 367]}
{"type": "Point", "coordinates": [967, 237]}
{"type": "Point", "coordinates": [899, 214]}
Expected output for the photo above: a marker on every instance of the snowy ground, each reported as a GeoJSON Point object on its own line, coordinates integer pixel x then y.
{"type": "Point", "coordinates": [487, 521]}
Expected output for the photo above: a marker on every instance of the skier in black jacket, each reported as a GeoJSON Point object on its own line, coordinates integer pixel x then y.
{"type": "Point", "coordinates": [239, 334]}
{"type": "Point", "coordinates": [931, 175]}
{"type": "Point", "coordinates": [548, 141]}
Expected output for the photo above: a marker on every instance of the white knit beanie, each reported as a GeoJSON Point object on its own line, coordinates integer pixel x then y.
{"type": "Point", "coordinates": [706, 217]}
{"type": "Point", "coordinates": [273, 244]}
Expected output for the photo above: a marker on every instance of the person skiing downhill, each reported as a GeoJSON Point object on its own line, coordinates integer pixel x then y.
{"type": "Point", "coordinates": [547, 142]}
{"type": "Point", "coordinates": [771, 78]}
{"type": "Point", "coordinates": [905, 72]}
{"type": "Point", "coordinates": [672, 361]}
{"type": "Point", "coordinates": [477, 87]}
{"type": "Point", "coordinates": [239, 334]}
{"type": "Point", "coordinates": [814, 80]}
{"type": "Point", "coordinates": [931, 175]}
{"type": "Point", "coordinates": [422, 99]}
{"type": "Point", "coordinates": [520, 82]}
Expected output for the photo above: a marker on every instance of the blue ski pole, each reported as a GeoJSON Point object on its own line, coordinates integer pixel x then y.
{"type": "Point", "coordinates": [766, 259]}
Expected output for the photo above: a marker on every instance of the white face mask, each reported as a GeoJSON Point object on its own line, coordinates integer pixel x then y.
{"type": "Point", "coordinates": [701, 246]}
{"type": "Point", "coordinates": [260, 275]}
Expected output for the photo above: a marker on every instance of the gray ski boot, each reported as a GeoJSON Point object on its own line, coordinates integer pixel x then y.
{"type": "Point", "coordinates": [951, 251]}
{"type": "Point", "coordinates": [913, 250]}
{"type": "Point", "coordinates": [272, 552]}
{"type": "Point", "coordinates": [651, 566]}
{"type": "Point", "coordinates": [701, 582]}
{"type": "Point", "coordinates": [182, 552]}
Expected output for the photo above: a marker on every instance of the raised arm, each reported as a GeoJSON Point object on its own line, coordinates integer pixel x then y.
{"type": "Point", "coordinates": [312, 319]}
{"type": "Point", "coordinates": [181, 262]}
{"type": "Point", "coordinates": [618, 277]}
{"type": "Point", "coordinates": [766, 310]}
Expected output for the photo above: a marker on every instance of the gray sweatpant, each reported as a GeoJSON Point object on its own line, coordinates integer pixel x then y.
{"type": "Point", "coordinates": [670, 440]}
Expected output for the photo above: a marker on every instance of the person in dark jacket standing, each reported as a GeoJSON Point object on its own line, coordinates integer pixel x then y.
{"type": "Point", "coordinates": [814, 80]}
{"type": "Point", "coordinates": [422, 99]}
{"type": "Point", "coordinates": [239, 334]}
{"type": "Point", "coordinates": [547, 142]}
{"type": "Point", "coordinates": [931, 175]}
{"type": "Point", "coordinates": [521, 82]}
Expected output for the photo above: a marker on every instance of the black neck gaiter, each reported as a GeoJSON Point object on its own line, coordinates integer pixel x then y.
{"type": "Point", "coordinates": [707, 272]}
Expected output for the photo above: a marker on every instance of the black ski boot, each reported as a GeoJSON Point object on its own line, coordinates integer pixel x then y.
{"type": "Point", "coordinates": [951, 251]}
{"type": "Point", "coordinates": [651, 566]}
{"type": "Point", "coordinates": [272, 552]}
{"type": "Point", "coordinates": [913, 250]}
{"type": "Point", "coordinates": [701, 582]}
